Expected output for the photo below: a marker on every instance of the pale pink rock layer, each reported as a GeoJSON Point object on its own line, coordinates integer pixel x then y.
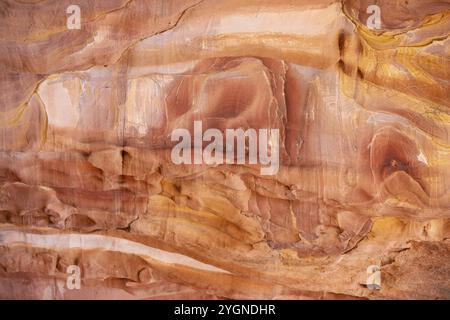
{"type": "Point", "coordinates": [86, 176]}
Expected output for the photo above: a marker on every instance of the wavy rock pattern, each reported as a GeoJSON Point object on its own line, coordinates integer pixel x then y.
{"type": "Point", "coordinates": [86, 176]}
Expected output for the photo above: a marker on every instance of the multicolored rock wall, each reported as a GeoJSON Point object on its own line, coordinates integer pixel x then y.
{"type": "Point", "coordinates": [88, 187]}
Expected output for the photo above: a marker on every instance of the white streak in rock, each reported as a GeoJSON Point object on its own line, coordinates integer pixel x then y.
{"type": "Point", "coordinates": [93, 241]}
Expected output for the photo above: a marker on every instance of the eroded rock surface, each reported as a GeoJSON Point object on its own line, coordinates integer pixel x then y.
{"type": "Point", "coordinates": [86, 176]}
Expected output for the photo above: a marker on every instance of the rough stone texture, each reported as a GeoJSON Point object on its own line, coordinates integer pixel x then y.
{"type": "Point", "coordinates": [85, 170]}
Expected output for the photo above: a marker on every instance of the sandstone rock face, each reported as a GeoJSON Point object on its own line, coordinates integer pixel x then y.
{"type": "Point", "coordinates": [87, 178]}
